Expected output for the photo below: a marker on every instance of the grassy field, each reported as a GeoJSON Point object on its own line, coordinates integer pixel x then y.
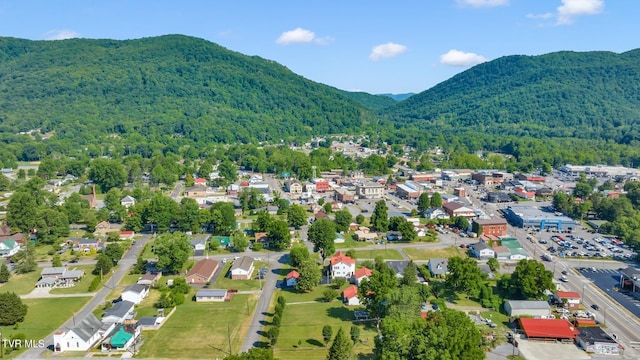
{"type": "Point", "coordinates": [350, 243]}
{"type": "Point", "coordinates": [45, 316]}
{"type": "Point", "coordinates": [426, 254]}
{"type": "Point", "coordinates": [302, 322]}
{"type": "Point", "coordinates": [201, 330]}
{"type": "Point", "coordinates": [21, 284]}
{"type": "Point", "coordinates": [389, 254]}
{"type": "Point", "coordinates": [147, 253]}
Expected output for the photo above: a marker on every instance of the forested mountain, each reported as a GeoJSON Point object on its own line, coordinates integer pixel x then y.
{"type": "Point", "coordinates": [169, 86]}
{"type": "Point", "coordinates": [588, 95]}
{"type": "Point", "coordinates": [371, 102]}
{"type": "Point", "coordinates": [398, 97]}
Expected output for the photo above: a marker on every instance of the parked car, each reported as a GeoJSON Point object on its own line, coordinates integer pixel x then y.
{"type": "Point", "coordinates": [595, 307]}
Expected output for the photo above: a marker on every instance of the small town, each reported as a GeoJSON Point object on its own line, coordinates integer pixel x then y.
{"type": "Point", "coordinates": [281, 263]}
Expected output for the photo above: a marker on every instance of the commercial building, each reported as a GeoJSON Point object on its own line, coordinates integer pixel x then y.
{"type": "Point", "coordinates": [532, 217]}
{"type": "Point", "coordinates": [527, 308]}
{"type": "Point", "coordinates": [497, 227]}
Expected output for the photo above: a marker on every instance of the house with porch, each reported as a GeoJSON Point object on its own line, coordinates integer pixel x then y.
{"type": "Point", "coordinates": [8, 248]}
{"type": "Point", "coordinates": [342, 266]}
{"type": "Point", "coordinates": [242, 269]}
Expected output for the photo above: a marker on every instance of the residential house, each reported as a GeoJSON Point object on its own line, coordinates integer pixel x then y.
{"type": "Point", "coordinates": [8, 248]}
{"type": "Point", "coordinates": [364, 234]}
{"type": "Point", "coordinates": [360, 274]}
{"type": "Point", "coordinates": [293, 186]}
{"type": "Point", "coordinates": [482, 250]}
{"type": "Point", "coordinates": [70, 278]}
{"type": "Point", "coordinates": [398, 266]}
{"type": "Point", "coordinates": [342, 266]}
{"type": "Point", "coordinates": [455, 209]}
{"type": "Point", "coordinates": [202, 272]}
{"type": "Point", "coordinates": [53, 272]}
{"type": "Point", "coordinates": [135, 293]}
{"type": "Point", "coordinates": [292, 278]}
{"type": "Point", "coordinates": [102, 228]}
{"type": "Point", "coordinates": [121, 311]}
{"type": "Point", "coordinates": [128, 201]}
{"type": "Point", "coordinates": [370, 190]}
{"type": "Point", "coordinates": [121, 337]}
{"type": "Point", "coordinates": [199, 244]}
{"type": "Point", "coordinates": [150, 279]}
{"type": "Point", "coordinates": [570, 298]}
{"type": "Point", "coordinates": [85, 245]}
{"type": "Point", "coordinates": [339, 239]}
{"type": "Point", "coordinates": [211, 295]}
{"type": "Point", "coordinates": [200, 182]}
{"type": "Point", "coordinates": [434, 213]}
{"type": "Point", "coordinates": [438, 267]}
{"type": "Point", "coordinates": [242, 269]}
{"type": "Point", "coordinates": [350, 296]}
{"type": "Point", "coordinates": [81, 337]}
{"type": "Point", "coordinates": [394, 236]}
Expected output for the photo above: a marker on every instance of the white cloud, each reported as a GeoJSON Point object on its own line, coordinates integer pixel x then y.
{"type": "Point", "coordinates": [483, 3]}
{"type": "Point", "coordinates": [544, 16]}
{"type": "Point", "coordinates": [60, 34]}
{"type": "Point", "coordinates": [387, 50]}
{"type": "Point", "coordinates": [572, 8]}
{"type": "Point", "coordinates": [461, 58]}
{"type": "Point", "coordinates": [301, 36]}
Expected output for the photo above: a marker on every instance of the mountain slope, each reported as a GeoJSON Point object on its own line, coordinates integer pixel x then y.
{"type": "Point", "coordinates": [170, 85]}
{"type": "Point", "coordinates": [371, 102]}
{"type": "Point", "coordinates": [591, 95]}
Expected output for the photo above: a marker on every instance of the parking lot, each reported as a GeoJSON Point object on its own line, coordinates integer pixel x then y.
{"type": "Point", "coordinates": [590, 246]}
{"type": "Point", "coordinates": [608, 280]}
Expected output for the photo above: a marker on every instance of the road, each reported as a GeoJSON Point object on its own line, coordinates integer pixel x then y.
{"type": "Point", "coordinates": [125, 263]}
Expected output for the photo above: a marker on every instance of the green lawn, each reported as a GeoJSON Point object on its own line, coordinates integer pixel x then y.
{"type": "Point", "coordinates": [224, 282]}
{"type": "Point", "coordinates": [146, 253]}
{"type": "Point", "coordinates": [201, 330]}
{"type": "Point", "coordinates": [44, 316]}
{"type": "Point", "coordinates": [301, 329]}
{"type": "Point", "coordinates": [349, 243]}
{"type": "Point", "coordinates": [21, 284]}
{"type": "Point", "coordinates": [389, 254]}
{"type": "Point", "coordinates": [83, 285]}
{"type": "Point", "coordinates": [426, 254]}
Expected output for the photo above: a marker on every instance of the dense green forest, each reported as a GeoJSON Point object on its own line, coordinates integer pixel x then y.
{"type": "Point", "coordinates": [182, 95]}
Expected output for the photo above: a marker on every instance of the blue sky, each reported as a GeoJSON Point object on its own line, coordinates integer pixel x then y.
{"type": "Point", "coordinates": [373, 46]}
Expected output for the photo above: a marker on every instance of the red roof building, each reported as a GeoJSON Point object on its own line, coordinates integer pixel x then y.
{"type": "Point", "coordinates": [548, 328]}
{"type": "Point", "coordinates": [350, 295]}
{"type": "Point", "coordinates": [322, 186]}
{"type": "Point", "coordinates": [361, 274]}
{"type": "Point", "coordinates": [200, 182]}
{"type": "Point", "coordinates": [340, 257]}
{"type": "Point", "coordinates": [293, 275]}
{"type": "Point", "coordinates": [573, 299]}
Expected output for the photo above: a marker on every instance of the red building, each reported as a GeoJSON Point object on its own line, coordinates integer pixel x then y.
{"type": "Point", "coordinates": [497, 227]}
{"type": "Point", "coordinates": [559, 329]}
{"type": "Point", "coordinates": [322, 186]}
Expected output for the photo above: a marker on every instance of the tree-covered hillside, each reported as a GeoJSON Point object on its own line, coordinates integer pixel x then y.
{"type": "Point", "coordinates": [371, 102]}
{"type": "Point", "coordinates": [168, 86]}
{"type": "Point", "coordinates": [589, 95]}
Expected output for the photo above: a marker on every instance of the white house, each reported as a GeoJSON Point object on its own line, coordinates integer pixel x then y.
{"type": "Point", "coordinates": [350, 296]}
{"type": "Point", "coordinates": [121, 311]}
{"type": "Point", "coordinates": [242, 268]}
{"type": "Point", "coordinates": [128, 201]}
{"type": "Point", "coordinates": [81, 337]}
{"type": "Point", "coordinates": [211, 295]}
{"type": "Point", "coordinates": [342, 266]}
{"type": "Point", "coordinates": [573, 299]}
{"type": "Point", "coordinates": [483, 251]}
{"type": "Point", "coordinates": [361, 274]}
{"type": "Point", "coordinates": [292, 278]}
{"type": "Point", "coordinates": [8, 248]}
{"type": "Point", "coordinates": [135, 293]}
{"type": "Point", "coordinates": [433, 213]}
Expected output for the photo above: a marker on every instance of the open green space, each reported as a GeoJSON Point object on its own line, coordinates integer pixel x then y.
{"type": "Point", "coordinates": [201, 330]}
{"type": "Point", "coordinates": [388, 254]}
{"type": "Point", "coordinates": [301, 328]}
{"type": "Point", "coordinates": [44, 316]}
{"type": "Point", "coordinates": [426, 254]}
{"type": "Point", "coordinates": [349, 243]}
{"type": "Point", "coordinates": [147, 253]}
{"type": "Point", "coordinates": [21, 284]}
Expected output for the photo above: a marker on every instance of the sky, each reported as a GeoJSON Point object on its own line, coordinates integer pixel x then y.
{"type": "Point", "coordinates": [372, 46]}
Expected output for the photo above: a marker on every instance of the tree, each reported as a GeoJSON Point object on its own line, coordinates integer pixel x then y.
{"type": "Point", "coordinates": [446, 334]}
{"type": "Point", "coordinates": [103, 266]}
{"type": "Point", "coordinates": [5, 274]}
{"type": "Point", "coordinates": [51, 225]}
{"type": "Point", "coordinates": [56, 262]}
{"type": "Point", "coordinates": [253, 354]}
{"type": "Point", "coordinates": [262, 222]}
{"type": "Point", "coordinates": [240, 242]}
{"type": "Point", "coordinates": [322, 234]}
{"type": "Point", "coordinates": [374, 291]}
{"type": "Point", "coordinates": [424, 202]}
{"type": "Point", "coordinates": [436, 200]}
{"type": "Point", "coordinates": [327, 333]}
{"type": "Point", "coordinates": [26, 259]}
{"type": "Point", "coordinates": [407, 231]}
{"type": "Point", "coordinates": [355, 334]}
{"type": "Point", "coordinates": [112, 198]}
{"type": "Point", "coordinates": [464, 276]}
{"type": "Point", "coordinates": [223, 218]}
{"type": "Point", "coordinates": [75, 206]}
{"type": "Point", "coordinates": [22, 211]}
{"type": "Point", "coordinates": [161, 211]}
{"type": "Point", "coordinates": [187, 217]}
{"type": "Point", "coordinates": [409, 275]}
{"type": "Point", "coordinates": [530, 280]}
{"type": "Point", "coordinates": [114, 252]}
{"type": "Point", "coordinates": [342, 347]}
{"type": "Point", "coordinates": [330, 294]}
{"type": "Point", "coordinates": [380, 219]}
{"type": "Point", "coordinates": [296, 216]}
{"type": "Point", "coordinates": [172, 250]}
{"type": "Point", "coordinates": [328, 208]}
{"type": "Point", "coordinates": [461, 223]}
{"type": "Point", "coordinates": [493, 264]}
{"type": "Point", "coordinates": [228, 171]}
{"type": "Point", "coordinates": [12, 309]}
{"type": "Point", "coordinates": [343, 219]}
{"type": "Point", "coordinates": [310, 276]}
{"type": "Point", "coordinates": [298, 255]}
{"type": "Point", "coordinates": [360, 219]}
{"type": "Point", "coordinates": [279, 235]}
{"type": "Point", "coordinates": [107, 174]}
{"type": "Point", "coordinates": [5, 183]}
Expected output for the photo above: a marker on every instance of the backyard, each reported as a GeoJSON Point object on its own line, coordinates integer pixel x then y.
{"type": "Point", "coordinates": [388, 254]}
{"type": "Point", "coordinates": [426, 254]}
